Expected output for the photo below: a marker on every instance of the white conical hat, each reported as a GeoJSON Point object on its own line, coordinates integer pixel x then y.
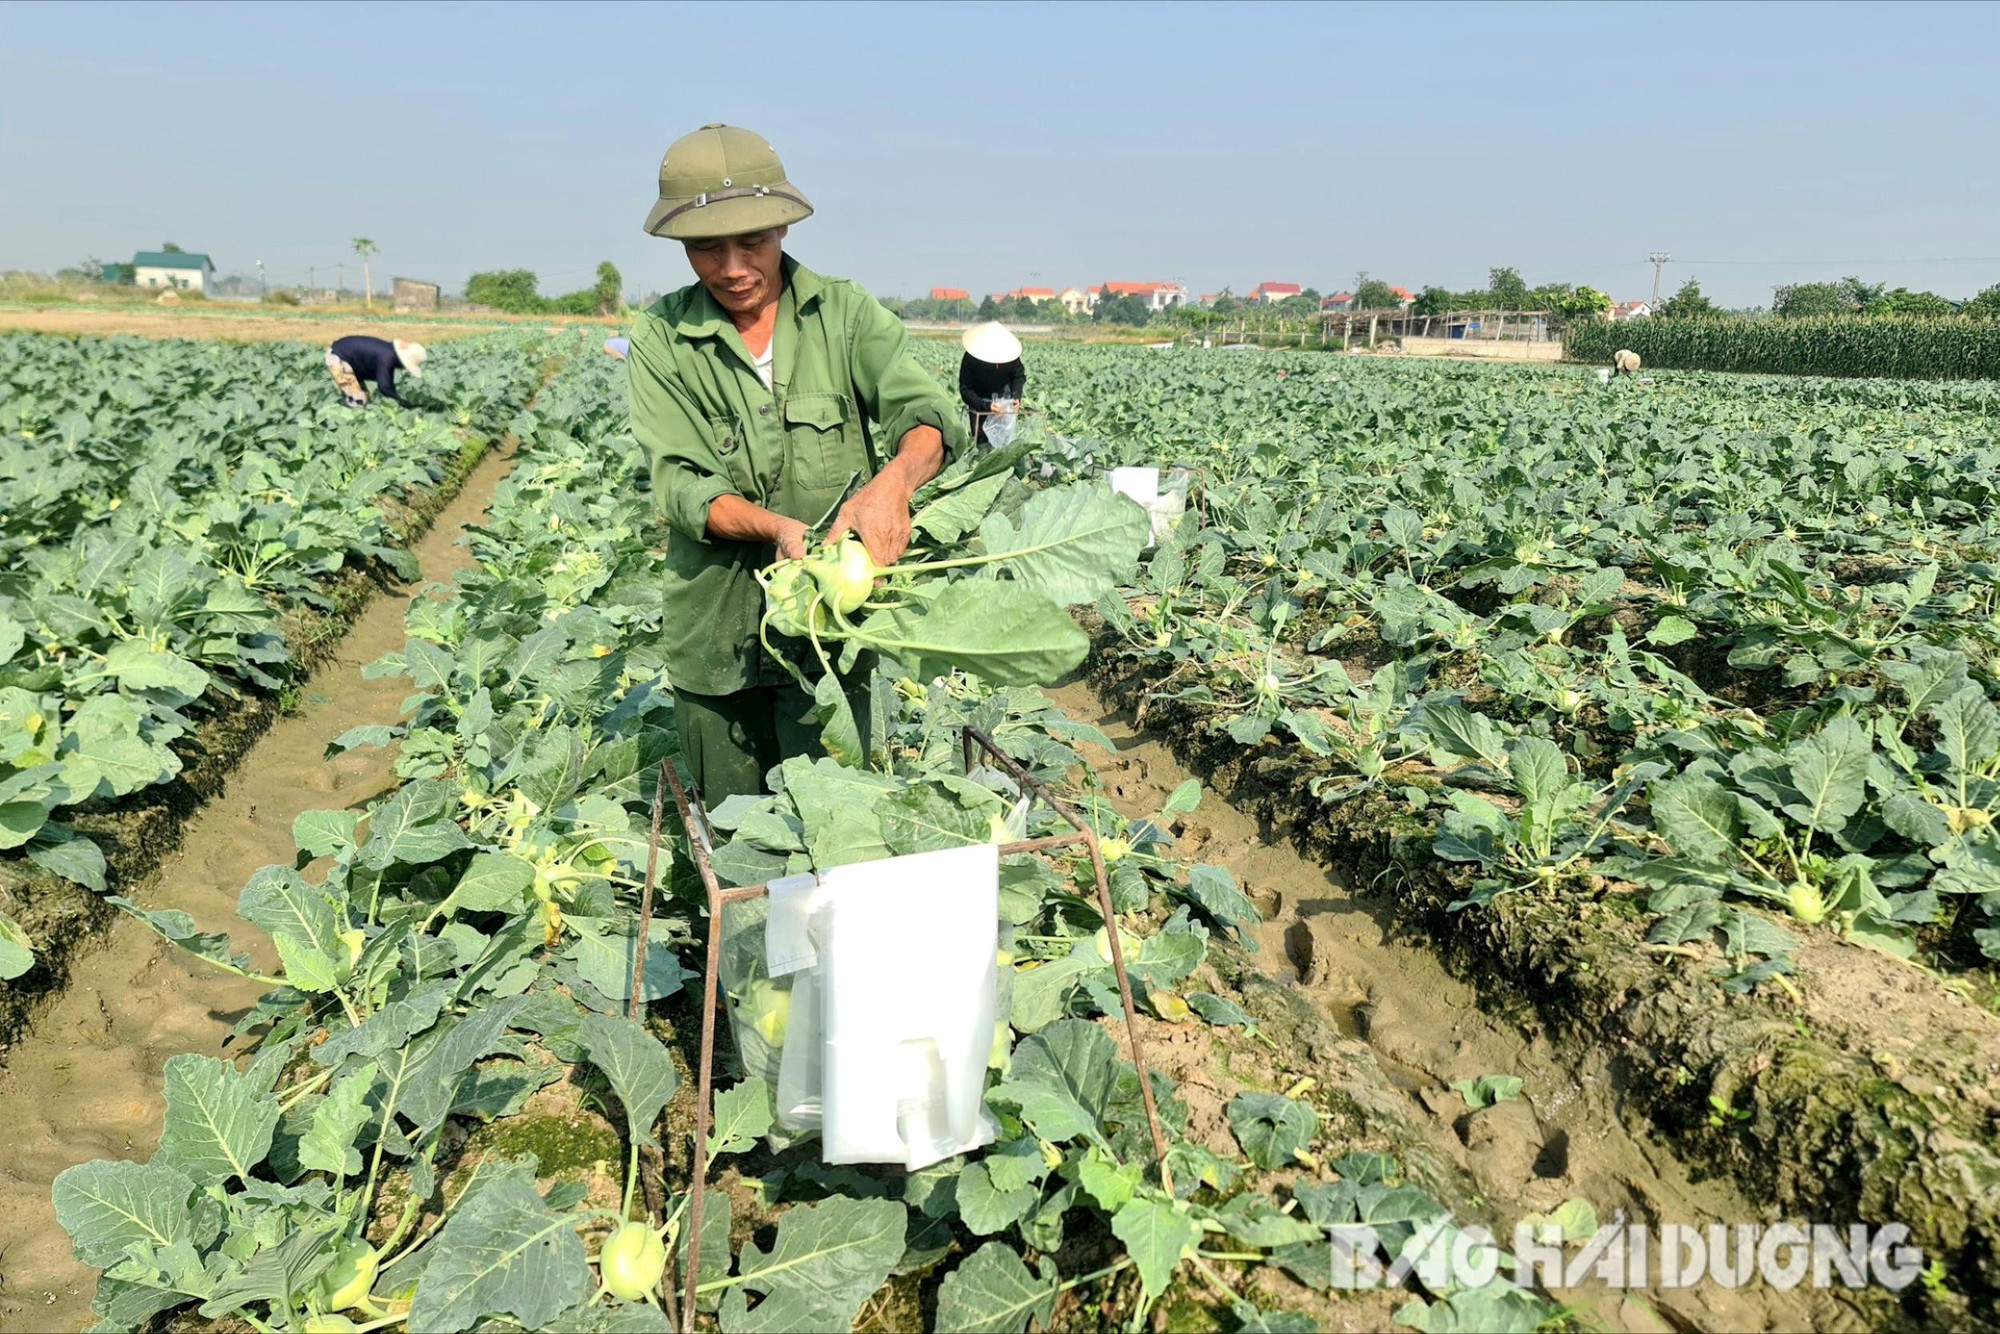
{"type": "Point", "coordinates": [991, 342]}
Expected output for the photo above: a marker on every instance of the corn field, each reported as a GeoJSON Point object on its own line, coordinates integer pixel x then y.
{"type": "Point", "coordinates": [1908, 347]}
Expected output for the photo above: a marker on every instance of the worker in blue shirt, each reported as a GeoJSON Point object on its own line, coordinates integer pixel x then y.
{"type": "Point", "coordinates": [357, 357]}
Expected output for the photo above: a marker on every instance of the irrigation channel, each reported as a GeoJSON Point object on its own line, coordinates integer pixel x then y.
{"type": "Point", "coordinates": [84, 1082]}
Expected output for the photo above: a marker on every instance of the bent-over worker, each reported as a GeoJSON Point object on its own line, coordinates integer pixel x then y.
{"type": "Point", "coordinates": [990, 374]}
{"type": "Point", "coordinates": [358, 357]}
{"type": "Point", "coordinates": [752, 390]}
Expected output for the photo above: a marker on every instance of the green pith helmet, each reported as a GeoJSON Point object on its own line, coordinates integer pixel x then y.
{"type": "Point", "coordinates": [723, 181]}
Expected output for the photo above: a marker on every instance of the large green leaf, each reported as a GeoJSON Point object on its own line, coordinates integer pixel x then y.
{"type": "Point", "coordinates": [1007, 634]}
{"type": "Point", "coordinates": [828, 1258]}
{"type": "Point", "coordinates": [1157, 1233]}
{"type": "Point", "coordinates": [1070, 543]}
{"type": "Point", "coordinates": [1062, 1079]}
{"type": "Point", "coordinates": [107, 1207]}
{"type": "Point", "coordinates": [992, 1292]}
{"type": "Point", "coordinates": [329, 1145]}
{"type": "Point", "coordinates": [1271, 1128]}
{"type": "Point", "coordinates": [604, 957]}
{"type": "Point", "coordinates": [1698, 817]}
{"type": "Point", "coordinates": [219, 1120]}
{"type": "Point", "coordinates": [413, 827]}
{"type": "Point", "coordinates": [985, 1208]}
{"type": "Point", "coordinates": [105, 752]}
{"type": "Point", "coordinates": [636, 1065]}
{"type": "Point", "coordinates": [503, 1253]}
{"type": "Point", "coordinates": [139, 666]}
{"type": "Point", "coordinates": [742, 1117]}
{"type": "Point", "coordinates": [429, 1080]}
{"type": "Point", "coordinates": [279, 900]}
{"type": "Point", "coordinates": [1830, 771]}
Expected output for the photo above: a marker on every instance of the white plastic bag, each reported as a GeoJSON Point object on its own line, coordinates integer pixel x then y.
{"type": "Point", "coordinates": [1000, 423]}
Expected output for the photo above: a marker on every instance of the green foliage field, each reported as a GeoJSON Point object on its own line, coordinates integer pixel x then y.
{"type": "Point", "coordinates": [1890, 346]}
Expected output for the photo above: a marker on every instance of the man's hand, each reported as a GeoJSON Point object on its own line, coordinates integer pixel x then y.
{"type": "Point", "coordinates": [734, 519]}
{"type": "Point", "coordinates": [790, 539]}
{"type": "Point", "coordinates": [879, 514]}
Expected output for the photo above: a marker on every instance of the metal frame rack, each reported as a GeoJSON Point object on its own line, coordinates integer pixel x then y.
{"type": "Point", "coordinates": [695, 820]}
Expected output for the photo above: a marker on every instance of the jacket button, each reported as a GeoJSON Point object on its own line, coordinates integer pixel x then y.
{"type": "Point", "coordinates": [764, 411]}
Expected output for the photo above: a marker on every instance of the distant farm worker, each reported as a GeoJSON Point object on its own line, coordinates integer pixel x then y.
{"type": "Point", "coordinates": [753, 391]}
{"type": "Point", "coordinates": [990, 374]}
{"type": "Point", "coordinates": [1624, 362]}
{"type": "Point", "coordinates": [357, 357]}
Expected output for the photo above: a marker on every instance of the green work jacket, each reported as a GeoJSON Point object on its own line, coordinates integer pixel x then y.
{"type": "Point", "coordinates": [844, 388]}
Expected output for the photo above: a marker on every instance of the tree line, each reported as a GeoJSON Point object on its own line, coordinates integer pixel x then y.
{"type": "Point", "coordinates": [1849, 296]}
{"type": "Point", "coordinates": [513, 291]}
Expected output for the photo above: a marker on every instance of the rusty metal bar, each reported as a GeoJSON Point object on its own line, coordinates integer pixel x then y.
{"type": "Point", "coordinates": [1034, 785]}
{"type": "Point", "coordinates": [705, 1076]}
{"type": "Point", "coordinates": [646, 899]}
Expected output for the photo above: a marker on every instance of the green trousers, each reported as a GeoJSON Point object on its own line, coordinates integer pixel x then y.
{"type": "Point", "coordinates": [731, 742]}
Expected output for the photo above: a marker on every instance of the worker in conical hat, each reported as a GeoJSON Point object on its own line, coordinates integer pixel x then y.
{"type": "Point", "coordinates": [990, 374]}
{"type": "Point", "coordinates": [358, 358]}
{"type": "Point", "coordinates": [753, 390]}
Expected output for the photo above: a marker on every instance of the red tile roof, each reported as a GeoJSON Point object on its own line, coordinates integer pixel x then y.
{"type": "Point", "coordinates": [1280, 289]}
{"type": "Point", "coordinates": [1038, 291]}
{"type": "Point", "coordinates": [1136, 289]}
{"type": "Point", "coordinates": [950, 294]}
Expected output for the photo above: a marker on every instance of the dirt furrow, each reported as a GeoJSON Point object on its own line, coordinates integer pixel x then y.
{"type": "Point", "coordinates": [85, 1082]}
{"type": "Point", "coordinates": [1567, 1135]}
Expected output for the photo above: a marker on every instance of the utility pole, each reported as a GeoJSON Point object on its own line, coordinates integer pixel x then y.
{"type": "Point", "coordinates": [1658, 259]}
{"type": "Point", "coordinates": [260, 280]}
{"type": "Point", "coordinates": [340, 281]}
{"type": "Point", "coordinates": [312, 280]}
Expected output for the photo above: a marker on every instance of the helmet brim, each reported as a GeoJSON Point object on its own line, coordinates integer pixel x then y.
{"type": "Point", "coordinates": [689, 220]}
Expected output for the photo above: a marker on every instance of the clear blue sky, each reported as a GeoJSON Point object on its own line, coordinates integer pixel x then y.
{"type": "Point", "coordinates": [989, 145]}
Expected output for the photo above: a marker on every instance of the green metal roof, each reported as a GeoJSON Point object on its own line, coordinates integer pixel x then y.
{"type": "Point", "coordinates": [170, 259]}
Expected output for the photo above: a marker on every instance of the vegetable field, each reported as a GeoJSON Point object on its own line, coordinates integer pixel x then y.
{"type": "Point", "coordinates": [1664, 711]}
{"type": "Point", "coordinates": [178, 518]}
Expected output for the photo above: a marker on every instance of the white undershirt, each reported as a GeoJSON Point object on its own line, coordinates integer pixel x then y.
{"type": "Point", "coordinates": [763, 361]}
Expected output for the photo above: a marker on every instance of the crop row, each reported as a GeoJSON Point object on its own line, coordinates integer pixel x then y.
{"type": "Point", "coordinates": [168, 506]}
{"type": "Point", "coordinates": [1905, 347]}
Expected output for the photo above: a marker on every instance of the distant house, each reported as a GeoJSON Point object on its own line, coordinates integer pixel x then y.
{"type": "Point", "coordinates": [950, 294]}
{"type": "Point", "coordinates": [168, 268]}
{"type": "Point", "coordinates": [1034, 294]}
{"type": "Point", "coordinates": [1157, 296]}
{"type": "Point", "coordinates": [1272, 293]}
{"type": "Point", "coordinates": [1338, 301]}
{"type": "Point", "coordinates": [1404, 295]}
{"type": "Point", "coordinates": [1631, 310]}
{"type": "Point", "coordinates": [1207, 299]}
{"type": "Point", "coordinates": [412, 294]}
{"type": "Point", "coordinates": [1077, 301]}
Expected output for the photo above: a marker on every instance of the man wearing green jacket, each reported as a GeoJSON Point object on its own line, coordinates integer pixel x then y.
{"type": "Point", "coordinates": [767, 398]}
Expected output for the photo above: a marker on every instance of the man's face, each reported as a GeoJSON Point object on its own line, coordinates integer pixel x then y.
{"type": "Point", "coordinates": [740, 272]}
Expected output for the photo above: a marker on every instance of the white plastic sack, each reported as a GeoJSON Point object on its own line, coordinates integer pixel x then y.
{"type": "Point", "coordinates": [1164, 503]}
{"type": "Point", "coordinates": [908, 983]}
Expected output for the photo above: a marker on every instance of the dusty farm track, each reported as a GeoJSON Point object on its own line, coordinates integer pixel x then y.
{"type": "Point", "coordinates": [85, 1082]}
{"type": "Point", "coordinates": [1566, 1136]}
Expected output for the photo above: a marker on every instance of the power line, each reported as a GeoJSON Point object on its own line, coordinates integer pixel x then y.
{"type": "Point", "coordinates": [1658, 259]}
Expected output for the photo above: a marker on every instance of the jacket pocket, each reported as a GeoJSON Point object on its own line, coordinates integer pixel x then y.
{"type": "Point", "coordinates": [822, 446]}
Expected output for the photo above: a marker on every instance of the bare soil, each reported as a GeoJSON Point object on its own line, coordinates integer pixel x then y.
{"type": "Point", "coordinates": [1569, 1135]}
{"type": "Point", "coordinates": [86, 1082]}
